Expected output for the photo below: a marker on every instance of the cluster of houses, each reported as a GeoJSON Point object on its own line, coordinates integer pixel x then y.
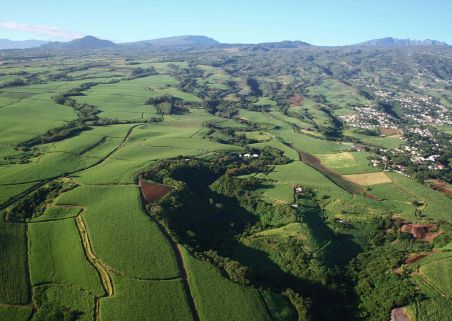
{"type": "Point", "coordinates": [422, 110]}
{"type": "Point", "coordinates": [369, 118]}
{"type": "Point", "coordinates": [249, 155]}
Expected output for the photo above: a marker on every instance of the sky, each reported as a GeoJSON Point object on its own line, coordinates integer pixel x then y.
{"type": "Point", "coordinates": [322, 22]}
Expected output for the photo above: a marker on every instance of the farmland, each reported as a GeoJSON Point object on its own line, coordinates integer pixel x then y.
{"type": "Point", "coordinates": [212, 185]}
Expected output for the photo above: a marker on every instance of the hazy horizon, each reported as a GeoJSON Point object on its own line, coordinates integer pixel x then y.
{"type": "Point", "coordinates": [323, 23]}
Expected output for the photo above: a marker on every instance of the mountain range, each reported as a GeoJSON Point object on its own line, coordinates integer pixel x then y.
{"type": "Point", "coordinates": [191, 42]}
{"type": "Point", "coordinates": [21, 44]}
{"type": "Point", "coordinates": [395, 42]}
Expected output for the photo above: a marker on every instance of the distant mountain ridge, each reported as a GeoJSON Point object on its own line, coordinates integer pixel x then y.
{"type": "Point", "coordinates": [176, 41]}
{"type": "Point", "coordinates": [21, 44]}
{"type": "Point", "coordinates": [395, 42]}
{"type": "Point", "coordinates": [87, 42]}
{"type": "Point", "coordinates": [195, 42]}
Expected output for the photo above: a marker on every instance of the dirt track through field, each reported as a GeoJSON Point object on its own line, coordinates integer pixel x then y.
{"type": "Point", "coordinates": [107, 283]}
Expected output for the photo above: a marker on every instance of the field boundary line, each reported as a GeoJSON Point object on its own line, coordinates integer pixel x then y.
{"type": "Point", "coordinates": [102, 270]}
{"type": "Point", "coordinates": [6, 305]}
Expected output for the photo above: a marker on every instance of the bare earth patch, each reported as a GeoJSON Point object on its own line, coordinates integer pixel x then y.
{"type": "Point", "coordinates": [368, 179]}
{"type": "Point", "coordinates": [441, 186]}
{"type": "Point", "coordinates": [423, 232]}
{"type": "Point", "coordinates": [413, 258]}
{"type": "Point", "coordinates": [153, 192]}
{"type": "Point", "coordinates": [399, 314]}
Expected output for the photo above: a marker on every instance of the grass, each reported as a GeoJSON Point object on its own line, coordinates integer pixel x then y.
{"type": "Point", "coordinates": [19, 119]}
{"type": "Point", "coordinates": [15, 313]}
{"type": "Point", "coordinates": [313, 145]}
{"type": "Point", "coordinates": [121, 235]}
{"type": "Point", "coordinates": [217, 298]}
{"type": "Point", "coordinates": [439, 273]}
{"type": "Point", "coordinates": [391, 191]}
{"type": "Point", "coordinates": [57, 213]}
{"type": "Point", "coordinates": [57, 256]}
{"type": "Point", "coordinates": [9, 191]}
{"type": "Point", "coordinates": [434, 306]}
{"type": "Point", "coordinates": [367, 179]}
{"type": "Point", "coordinates": [47, 166]}
{"type": "Point", "coordinates": [348, 162]}
{"type": "Point", "coordinates": [436, 203]}
{"type": "Point", "coordinates": [338, 160]}
{"type": "Point", "coordinates": [146, 300]}
{"type": "Point", "coordinates": [385, 142]}
{"type": "Point", "coordinates": [337, 93]}
{"type": "Point", "coordinates": [111, 172]}
{"type": "Point", "coordinates": [280, 308]}
{"type": "Point", "coordinates": [299, 173]}
{"type": "Point", "coordinates": [14, 287]}
{"type": "Point", "coordinates": [277, 193]}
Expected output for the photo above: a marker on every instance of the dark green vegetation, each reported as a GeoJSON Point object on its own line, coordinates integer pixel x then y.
{"type": "Point", "coordinates": [256, 142]}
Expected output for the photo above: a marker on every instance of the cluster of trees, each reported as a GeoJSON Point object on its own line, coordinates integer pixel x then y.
{"type": "Point", "coordinates": [56, 134]}
{"type": "Point", "coordinates": [233, 269]}
{"type": "Point", "coordinates": [208, 207]}
{"type": "Point", "coordinates": [168, 105]}
{"type": "Point", "coordinates": [63, 74]}
{"type": "Point", "coordinates": [378, 288]}
{"type": "Point", "coordinates": [13, 83]}
{"type": "Point", "coordinates": [47, 311]}
{"type": "Point", "coordinates": [34, 204]}
{"type": "Point", "coordinates": [140, 72]}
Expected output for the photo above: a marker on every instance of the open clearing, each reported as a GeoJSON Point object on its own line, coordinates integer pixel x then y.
{"type": "Point", "coordinates": [368, 179]}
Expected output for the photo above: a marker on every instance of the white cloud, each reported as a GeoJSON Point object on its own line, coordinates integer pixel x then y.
{"type": "Point", "coordinates": [49, 31]}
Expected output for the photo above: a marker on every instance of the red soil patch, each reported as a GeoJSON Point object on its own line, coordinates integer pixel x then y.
{"type": "Point", "coordinates": [153, 192]}
{"type": "Point", "coordinates": [413, 258]}
{"type": "Point", "coordinates": [421, 231]}
{"type": "Point", "coordinates": [296, 100]}
{"type": "Point", "coordinates": [441, 186]}
{"type": "Point", "coordinates": [399, 314]}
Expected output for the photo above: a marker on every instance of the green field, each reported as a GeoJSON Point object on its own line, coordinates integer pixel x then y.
{"type": "Point", "coordinates": [13, 264]}
{"type": "Point", "coordinates": [57, 256]}
{"type": "Point", "coordinates": [16, 314]}
{"type": "Point", "coordinates": [116, 223]}
{"type": "Point", "coordinates": [165, 300]}
{"type": "Point", "coordinates": [217, 298]}
{"type": "Point", "coordinates": [348, 162]}
{"type": "Point", "coordinates": [435, 202]}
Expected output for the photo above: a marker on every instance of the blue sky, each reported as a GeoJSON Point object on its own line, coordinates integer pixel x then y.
{"type": "Point", "coordinates": [323, 22]}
